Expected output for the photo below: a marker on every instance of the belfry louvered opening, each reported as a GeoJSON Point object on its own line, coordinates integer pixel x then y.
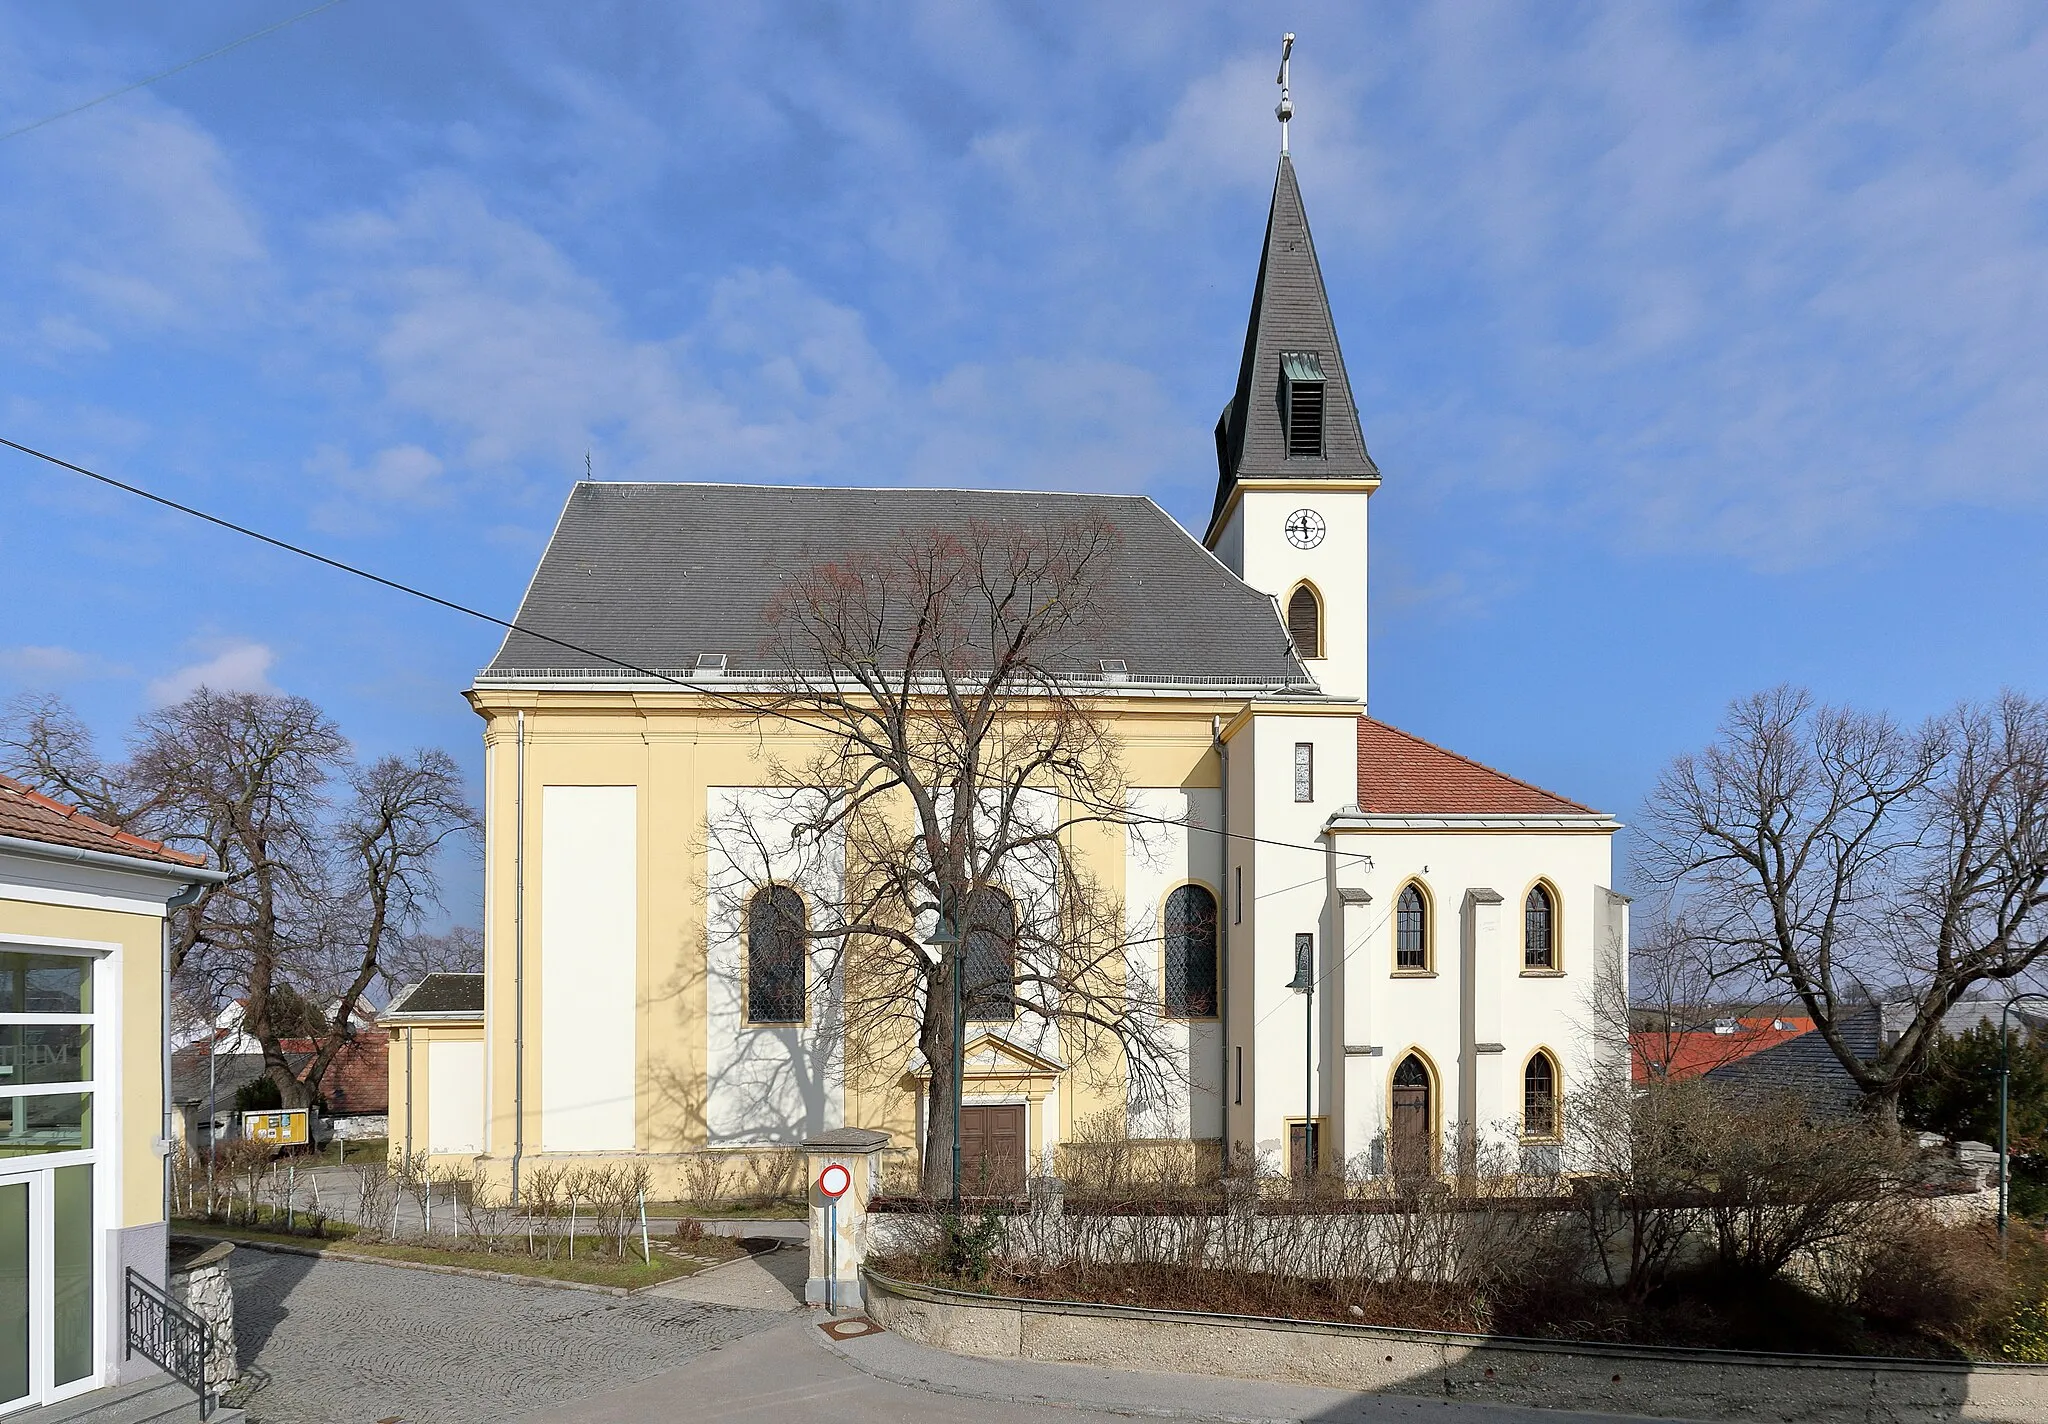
{"type": "Point", "coordinates": [1301, 403]}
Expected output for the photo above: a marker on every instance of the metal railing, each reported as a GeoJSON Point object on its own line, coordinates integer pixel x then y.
{"type": "Point", "coordinates": [170, 1337]}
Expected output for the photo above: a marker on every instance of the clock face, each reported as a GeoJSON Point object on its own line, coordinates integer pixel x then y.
{"type": "Point", "coordinates": [1304, 529]}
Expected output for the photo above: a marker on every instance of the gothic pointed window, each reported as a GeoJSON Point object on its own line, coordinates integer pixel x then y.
{"type": "Point", "coordinates": [1539, 1097]}
{"type": "Point", "coordinates": [1301, 403]}
{"type": "Point", "coordinates": [988, 951]}
{"type": "Point", "coordinates": [776, 938]}
{"type": "Point", "coordinates": [1305, 622]}
{"type": "Point", "coordinates": [1539, 930]}
{"type": "Point", "coordinates": [1411, 929]}
{"type": "Point", "coordinates": [1191, 953]}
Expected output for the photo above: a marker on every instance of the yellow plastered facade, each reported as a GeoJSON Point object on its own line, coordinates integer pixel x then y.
{"type": "Point", "coordinates": [137, 1077]}
{"type": "Point", "coordinates": [674, 747]}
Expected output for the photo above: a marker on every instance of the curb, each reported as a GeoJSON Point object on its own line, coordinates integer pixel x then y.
{"type": "Point", "coordinates": [1094, 1406]}
{"type": "Point", "coordinates": [280, 1249]}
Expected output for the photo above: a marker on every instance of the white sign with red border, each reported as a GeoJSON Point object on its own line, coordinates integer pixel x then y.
{"type": "Point", "coordinates": [833, 1181]}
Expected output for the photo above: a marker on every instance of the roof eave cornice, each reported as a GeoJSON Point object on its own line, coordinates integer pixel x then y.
{"type": "Point", "coordinates": [1353, 819]}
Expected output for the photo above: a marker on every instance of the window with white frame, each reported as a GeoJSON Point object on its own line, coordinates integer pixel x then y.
{"type": "Point", "coordinates": [46, 1053]}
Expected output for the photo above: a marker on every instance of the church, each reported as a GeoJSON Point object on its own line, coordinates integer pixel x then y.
{"type": "Point", "coordinates": [1372, 954]}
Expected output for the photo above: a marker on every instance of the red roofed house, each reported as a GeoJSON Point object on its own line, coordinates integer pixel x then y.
{"type": "Point", "coordinates": [84, 1112]}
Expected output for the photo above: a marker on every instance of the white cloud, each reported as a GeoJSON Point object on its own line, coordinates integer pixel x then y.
{"type": "Point", "coordinates": [49, 664]}
{"type": "Point", "coordinates": [239, 666]}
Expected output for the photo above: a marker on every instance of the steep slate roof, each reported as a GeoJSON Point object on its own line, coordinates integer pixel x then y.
{"type": "Point", "coordinates": [1804, 1064]}
{"type": "Point", "coordinates": [656, 574]}
{"type": "Point", "coordinates": [440, 994]}
{"type": "Point", "coordinates": [30, 815]}
{"type": "Point", "coordinates": [1290, 312]}
{"type": "Point", "coordinates": [1402, 775]}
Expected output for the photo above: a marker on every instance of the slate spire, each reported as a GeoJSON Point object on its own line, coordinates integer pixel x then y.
{"type": "Point", "coordinates": [1290, 321]}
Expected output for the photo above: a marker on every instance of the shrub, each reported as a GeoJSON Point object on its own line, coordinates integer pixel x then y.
{"type": "Point", "coordinates": [1922, 1276]}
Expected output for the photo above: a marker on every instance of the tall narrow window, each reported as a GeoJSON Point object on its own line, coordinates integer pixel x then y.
{"type": "Point", "coordinates": [1190, 953]}
{"type": "Point", "coordinates": [1301, 403]}
{"type": "Point", "coordinates": [1411, 930]}
{"type": "Point", "coordinates": [1539, 1097]}
{"type": "Point", "coordinates": [1304, 771]}
{"type": "Point", "coordinates": [1305, 622]}
{"type": "Point", "coordinates": [988, 987]}
{"type": "Point", "coordinates": [1539, 931]}
{"type": "Point", "coordinates": [775, 956]}
{"type": "Point", "coordinates": [1237, 895]}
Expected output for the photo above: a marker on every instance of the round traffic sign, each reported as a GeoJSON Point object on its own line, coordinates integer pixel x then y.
{"type": "Point", "coordinates": [834, 1180]}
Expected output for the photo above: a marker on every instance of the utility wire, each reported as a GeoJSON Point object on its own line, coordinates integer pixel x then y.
{"type": "Point", "coordinates": [174, 69]}
{"type": "Point", "coordinates": [604, 659]}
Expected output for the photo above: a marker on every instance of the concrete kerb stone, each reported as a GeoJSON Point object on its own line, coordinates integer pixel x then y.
{"type": "Point", "coordinates": [281, 1249]}
{"type": "Point", "coordinates": [1693, 1384]}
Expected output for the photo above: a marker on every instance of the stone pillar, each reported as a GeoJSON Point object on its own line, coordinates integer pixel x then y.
{"type": "Point", "coordinates": [839, 1233]}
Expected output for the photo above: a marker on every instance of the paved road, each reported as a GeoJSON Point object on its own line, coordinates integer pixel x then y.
{"type": "Point", "coordinates": [341, 1342]}
{"type": "Point", "coordinates": [338, 1342]}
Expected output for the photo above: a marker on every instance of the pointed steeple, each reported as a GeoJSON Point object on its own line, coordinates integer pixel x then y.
{"type": "Point", "coordinates": [1292, 417]}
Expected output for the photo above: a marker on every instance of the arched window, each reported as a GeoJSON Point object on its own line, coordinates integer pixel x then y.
{"type": "Point", "coordinates": [1539, 1097]}
{"type": "Point", "coordinates": [1411, 929]}
{"type": "Point", "coordinates": [1305, 622]}
{"type": "Point", "coordinates": [776, 940]}
{"type": "Point", "coordinates": [1539, 930]}
{"type": "Point", "coordinates": [988, 986]}
{"type": "Point", "coordinates": [1190, 953]}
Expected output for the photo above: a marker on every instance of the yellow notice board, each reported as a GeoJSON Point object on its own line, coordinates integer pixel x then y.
{"type": "Point", "coordinates": [288, 1128]}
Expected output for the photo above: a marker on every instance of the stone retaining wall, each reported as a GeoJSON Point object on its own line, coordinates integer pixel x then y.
{"type": "Point", "coordinates": [1688, 1384]}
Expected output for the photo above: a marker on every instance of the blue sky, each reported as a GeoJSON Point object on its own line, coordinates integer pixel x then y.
{"type": "Point", "coordinates": [1699, 344]}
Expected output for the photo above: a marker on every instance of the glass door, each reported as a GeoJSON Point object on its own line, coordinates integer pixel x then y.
{"type": "Point", "coordinates": [15, 1304]}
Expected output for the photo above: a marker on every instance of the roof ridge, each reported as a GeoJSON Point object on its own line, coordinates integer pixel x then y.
{"type": "Point", "coordinates": [1479, 765]}
{"type": "Point", "coordinates": [865, 489]}
{"type": "Point", "coordinates": [74, 814]}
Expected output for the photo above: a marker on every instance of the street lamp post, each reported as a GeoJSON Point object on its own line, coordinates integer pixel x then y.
{"type": "Point", "coordinates": [1304, 983]}
{"type": "Point", "coordinates": [2004, 1094]}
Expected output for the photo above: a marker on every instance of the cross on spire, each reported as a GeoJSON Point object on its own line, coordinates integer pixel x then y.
{"type": "Point", "coordinates": [1284, 110]}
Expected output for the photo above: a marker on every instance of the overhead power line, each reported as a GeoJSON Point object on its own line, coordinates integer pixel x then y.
{"type": "Point", "coordinates": [166, 74]}
{"type": "Point", "coordinates": [604, 659]}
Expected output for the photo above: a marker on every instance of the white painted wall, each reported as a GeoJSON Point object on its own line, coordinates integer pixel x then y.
{"type": "Point", "coordinates": [455, 1096]}
{"type": "Point", "coordinates": [766, 1083]}
{"type": "Point", "coordinates": [1288, 894]}
{"type": "Point", "coordinates": [1253, 544]}
{"type": "Point", "coordinates": [1521, 1012]}
{"type": "Point", "coordinates": [1158, 858]}
{"type": "Point", "coordinates": [589, 967]}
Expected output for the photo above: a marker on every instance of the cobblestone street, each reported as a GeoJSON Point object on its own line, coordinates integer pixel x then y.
{"type": "Point", "coordinates": [341, 1342]}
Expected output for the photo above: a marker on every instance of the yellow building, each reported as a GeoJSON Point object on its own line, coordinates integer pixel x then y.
{"type": "Point", "coordinates": [1293, 844]}
{"type": "Point", "coordinates": [84, 1115]}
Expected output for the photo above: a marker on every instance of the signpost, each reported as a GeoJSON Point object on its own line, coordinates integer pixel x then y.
{"type": "Point", "coordinates": [832, 1185]}
{"type": "Point", "coordinates": [287, 1127]}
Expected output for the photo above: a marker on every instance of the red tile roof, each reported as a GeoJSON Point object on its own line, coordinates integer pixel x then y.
{"type": "Point", "coordinates": [357, 1080]}
{"type": "Point", "coordinates": [32, 816]}
{"type": "Point", "coordinates": [1689, 1053]}
{"type": "Point", "coordinates": [1402, 775]}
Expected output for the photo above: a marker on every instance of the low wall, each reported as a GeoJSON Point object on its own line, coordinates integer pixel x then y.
{"type": "Point", "coordinates": [1687, 1384]}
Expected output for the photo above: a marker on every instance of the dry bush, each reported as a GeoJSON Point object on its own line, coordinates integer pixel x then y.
{"type": "Point", "coordinates": [543, 1193]}
{"type": "Point", "coordinates": [703, 1178]}
{"type": "Point", "coordinates": [374, 1189]}
{"type": "Point", "coordinates": [773, 1176]}
{"type": "Point", "coordinates": [1919, 1275]}
{"type": "Point", "coordinates": [485, 1211]}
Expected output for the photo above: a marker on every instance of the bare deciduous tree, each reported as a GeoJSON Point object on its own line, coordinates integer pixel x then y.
{"type": "Point", "coordinates": [315, 894]}
{"type": "Point", "coordinates": [1851, 862]}
{"type": "Point", "coordinates": [956, 772]}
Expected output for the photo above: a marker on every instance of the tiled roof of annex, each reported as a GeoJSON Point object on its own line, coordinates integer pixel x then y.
{"type": "Point", "coordinates": [1400, 774]}
{"type": "Point", "coordinates": [31, 816]}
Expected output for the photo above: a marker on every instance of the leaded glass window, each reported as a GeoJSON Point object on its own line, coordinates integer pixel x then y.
{"type": "Point", "coordinates": [1539, 1097]}
{"type": "Point", "coordinates": [1191, 953]}
{"type": "Point", "coordinates": [776, 940]}
{"type": "Point", "coordinates": [989, 952]}
{"type": "Point", "coordinates": [1539, 931]}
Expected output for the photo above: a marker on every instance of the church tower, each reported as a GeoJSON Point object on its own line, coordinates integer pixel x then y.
{"type": "Point", "coordinates": [1293, 473]}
